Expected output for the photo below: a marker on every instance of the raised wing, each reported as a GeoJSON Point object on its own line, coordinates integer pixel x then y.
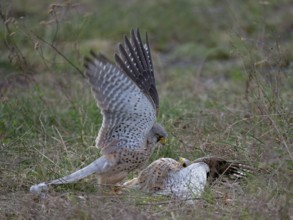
{"type": "Point", "coordinates": [136, 61]}
{"type": "Point", "coordinates": [128, 114]}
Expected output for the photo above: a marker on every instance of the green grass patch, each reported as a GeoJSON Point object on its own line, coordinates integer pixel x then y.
{"type": "Point", "coordinates": [224, 75]}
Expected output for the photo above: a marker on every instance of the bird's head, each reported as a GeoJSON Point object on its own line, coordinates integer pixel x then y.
{"type": "Point", "coordinates": [159, 133]}
{"type": "Point", "coordinates": [184, 162]}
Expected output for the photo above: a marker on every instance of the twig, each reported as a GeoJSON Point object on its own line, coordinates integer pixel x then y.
{"type": "Point", "coordinates": [281, 137]}
{"type": "Point", "coordinates": [60, 53]}
{"type": "Point", "coordinates": [179, 139]}
{"type": "Point", "coordinates": [11, 45]}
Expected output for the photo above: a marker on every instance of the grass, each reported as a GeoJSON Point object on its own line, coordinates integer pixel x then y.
{"type": "Point", "coordinates": [224, 75]}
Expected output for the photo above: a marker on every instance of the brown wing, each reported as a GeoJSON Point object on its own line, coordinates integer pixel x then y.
{"type": "Point", "coordinates": [136, 61]}
{"type": "Point", "coordinates": [152, 178]}
{"type": "Point", "coordinates": [219, 166]}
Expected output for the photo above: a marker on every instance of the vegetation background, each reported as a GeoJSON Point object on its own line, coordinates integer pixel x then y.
{"type": "Point", "coordinates": [224, 75]}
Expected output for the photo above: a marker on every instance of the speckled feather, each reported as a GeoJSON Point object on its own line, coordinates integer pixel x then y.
{"type": "Point", "coordinates": [128, 115]}
{"type": "Point", "coordinates": [153, 177]}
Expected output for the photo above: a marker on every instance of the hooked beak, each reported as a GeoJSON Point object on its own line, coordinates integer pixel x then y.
{"type": "Point", "coordinates": [162, 140]}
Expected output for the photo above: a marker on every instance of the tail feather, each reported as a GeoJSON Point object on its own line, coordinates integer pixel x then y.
{"type": "Point", "coordinates": [219, 166]}
{"type": "Point", "coordinates": [98, 166]}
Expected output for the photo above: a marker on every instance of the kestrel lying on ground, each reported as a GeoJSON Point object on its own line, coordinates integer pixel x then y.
{"type": "Point", "coordinates": [184, 179]}
{"type": "Point", "coordinates": [127, 96]}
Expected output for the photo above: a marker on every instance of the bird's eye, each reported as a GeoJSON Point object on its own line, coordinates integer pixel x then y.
{"type": "Point", "coordinates": [158, 138]}
{"type": "Point", "coordinates": [184, 165]}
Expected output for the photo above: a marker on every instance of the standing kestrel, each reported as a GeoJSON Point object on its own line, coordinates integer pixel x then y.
{"type": "Point", "coordinates": [127, 96]}
{"type": "Point", "coordinates": [184, 179]}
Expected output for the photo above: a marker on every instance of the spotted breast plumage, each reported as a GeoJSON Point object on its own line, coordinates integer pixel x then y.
{"type": "Point", "coordinates": [127, 96]}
